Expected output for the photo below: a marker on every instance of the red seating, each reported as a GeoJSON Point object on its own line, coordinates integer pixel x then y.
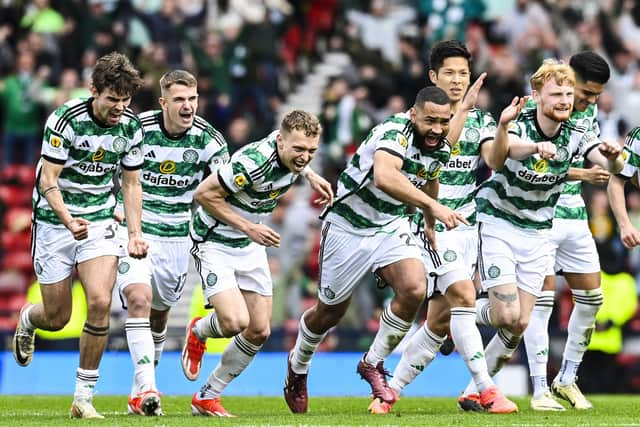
{"type": "Point", "coordinates": [18, 261]}
{"type": "Point", "coordinates": [22, 175]}
{"type": "Point", "coordinates": [12, 242]}
{"type": "Point", "coordinates": [15, 195]}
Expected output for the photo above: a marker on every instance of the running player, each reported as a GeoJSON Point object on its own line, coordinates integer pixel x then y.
{"type": "Point", "coordinates": [629, 235]}
{"type": "Point", "coordinates": [179, 149]}
{"type": "Point", "coordinates": [85, 140]}
{"type": "Point", "coordinates": [229, 249]}
{"type": "Point", "coordinates": [366, 230]}
{"type": "Point", "coordinates": [575, 257]}
{"type": "Point", "coordinates": [451, 292]}
{"type": "Point", "coordinates": [516, 206]}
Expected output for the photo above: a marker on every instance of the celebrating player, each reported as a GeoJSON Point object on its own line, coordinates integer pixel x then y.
{"type": "Point", "coordinates": [451, 292]}
{"type": "Point", "coordinates": [366, 230]}
{"type": "Point", "coordinates": [179, 148]}
{"type": "Point", "coordinates": [516, 205]}
{"type": "Point", "coordinates": [229, 249]}
{"type": "Point", "coordinates": [84, 142]}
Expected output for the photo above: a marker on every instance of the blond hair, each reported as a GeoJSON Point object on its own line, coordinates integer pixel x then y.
{"type": "Point", "coordinates": [303, 121]}
{"type": "Point", "coordinates": [562, 73]}
{"type": "Point", "coordinates": [177, 77]}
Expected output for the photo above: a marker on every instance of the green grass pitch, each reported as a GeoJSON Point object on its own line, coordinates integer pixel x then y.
{"type": "Point", "coordinates": [345, 411]}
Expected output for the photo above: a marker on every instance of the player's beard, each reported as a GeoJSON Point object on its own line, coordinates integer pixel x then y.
{"type": "Point", "coordinates": [428, 140]}
{"type": "Point", "coordinates": [556, 115]}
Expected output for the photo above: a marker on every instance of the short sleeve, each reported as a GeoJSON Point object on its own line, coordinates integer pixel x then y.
{"type": "Point", "coordinates": [393, 142]}
{"type": "Point", "coordinates": [133, 157]}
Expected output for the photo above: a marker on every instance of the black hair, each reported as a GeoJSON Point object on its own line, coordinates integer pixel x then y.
{"type": "Point", "coordinates": [431, 94]}
{"type": "Point", "coordinates": [589, 66]}
{"type": "Point", "coordinates": [447, 49]}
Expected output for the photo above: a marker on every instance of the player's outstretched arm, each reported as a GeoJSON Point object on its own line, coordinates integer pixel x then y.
{"type": "Point", "coordinates": [505, 145]}
{"type": "Point", "coordinates": [431, 189]}
{"type": "Point", "coordinates": [468, 103]}
{"type": "Point", "coordinates": [629, 235]}
{"type": "Point", "coordinates": [608, 155]}
{"type": "Point", "coordinates": [592, 175]}
{"type": "Point", "coordinates": [388, 178]}
{"type": "Point", "coordinates": [132, 198]}
{"type": "Point", "coordinates": [49, 175]}
{"type": "Point", "coordinates": [321, 185]}
{"type": "Point", "coordinates": [212, 197]}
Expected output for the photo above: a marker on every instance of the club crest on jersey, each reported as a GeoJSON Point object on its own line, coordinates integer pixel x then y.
{"type": "Point", "coordinates": [190, 156]}
{"type": "Point", "coordinates": [168, 166]}
{"type": "Point", "coordinates": [98, 155]}
{"type": "Point", "coordinates": [562, 154]}
{"type": "Point", "coordinates": [400, 139]}
{"type": "Point", "coordinates": [455, 150]}
{"type": "Point", "coordinates": [472, 135]}
{"type": "Point", "coordinates": [240, 180]}
{"type": "Point", "coordinates": [55, 142]}
{"type": "Point", "coordinates": [119, 144]}
{"type": "Point", "coordinates": [540, 166]}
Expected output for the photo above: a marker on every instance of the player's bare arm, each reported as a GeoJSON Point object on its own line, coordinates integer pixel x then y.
{"type": "Point", "coordinates": [468, 103]}
{"type": "Point", "coordinates": [504, 145]}
{"type": "Point", "coordinates": [388, 178]}
{"type": "Point", "coordinates": [212, 197]}
{"type": "Point", "coordinates": [321, 185]}
{"type": "Point", "coordinates": [608, 155]}
{"type": "Point", "coordinates": [593, 175]}
{"type": "Point", "coordinates": [629, 235]}
{"type": "Point", "coordinates": [132, 197]}
{"type": "Point", "coordinates": [49, 175]}
{"type": "Point", "coordinates": [431, 189]}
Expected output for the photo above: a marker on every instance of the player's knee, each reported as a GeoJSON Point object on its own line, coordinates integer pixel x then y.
{"type": "Point", "coordinates": [508, 319]}
{"type": "Point", "coordinates": [412, 290]}
{"type": "Point", "coordinates": [259, 336]}
{"type": "Point", "coordinates": [520, 326]}
{"type": "Point", "coordinates": [139, 305]}
{"type": "Point", "coordinates": [99, 306]}
{"type": "Point", "coordinates": [233, 324]}
{"type": "Point", "coordinates": [57, 319]}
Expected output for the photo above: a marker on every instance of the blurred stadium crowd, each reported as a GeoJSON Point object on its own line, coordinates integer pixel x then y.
{"type": "Point", "coordinates": [251, 55]}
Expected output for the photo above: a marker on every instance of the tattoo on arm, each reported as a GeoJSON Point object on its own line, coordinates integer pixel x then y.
{"type": "Point", "coordinates": [506, 298]}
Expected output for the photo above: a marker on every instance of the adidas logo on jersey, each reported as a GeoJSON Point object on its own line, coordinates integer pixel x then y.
{"type": "Point", "coordinates": [85, 144]}
{"type": "Point", "coordinates": [150, 155]}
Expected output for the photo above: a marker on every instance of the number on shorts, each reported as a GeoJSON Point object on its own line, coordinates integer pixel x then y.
{"type": "Point", "coordinates": [112, 232]}
{"type": "Point", "coordinates": [182, 280]}
{"type": "Point", "coordinates": [409, 241]}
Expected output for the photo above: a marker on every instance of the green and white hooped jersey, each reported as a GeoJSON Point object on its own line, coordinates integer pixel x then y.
{"type": "Point", "coordinates": [173, 167]}
{"type": "Point", "coordinates": [90, 154]}
{"type": "Point", "coordinates": [631, 155]}
{"type": "Point", "coordinates": [255, 179]}
{"type": "Point", "coordinates": [361, 206]}
{"type": "Point", "coordinates": [458, 175]}
{"type": "Point", "coordinates": [525, 192]}
{"type": "Point", "coordinates": [570, 203]}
